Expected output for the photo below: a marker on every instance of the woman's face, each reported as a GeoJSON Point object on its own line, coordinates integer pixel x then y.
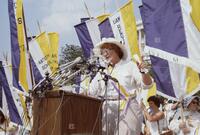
{"type": "Point", "coordinates": [152, 104]}
{"type": "Point", "coordinates": [193, 106]}
{"type": "Point", "coordinates": [110, 55]}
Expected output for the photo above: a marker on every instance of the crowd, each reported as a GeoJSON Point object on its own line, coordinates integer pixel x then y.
{"type": "Point", "coordinates": [123, 114]}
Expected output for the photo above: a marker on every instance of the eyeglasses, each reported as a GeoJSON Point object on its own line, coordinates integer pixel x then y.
{"type": "Point", "coordinates": [106, 51]}
{"type": "Point", "coordinates": [195, 102]}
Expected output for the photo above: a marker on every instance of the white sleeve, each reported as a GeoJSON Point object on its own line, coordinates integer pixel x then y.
{"type": "Point", "coordinates": [137, 77]}
{"type": "Point", "coordinates": [95, 87]}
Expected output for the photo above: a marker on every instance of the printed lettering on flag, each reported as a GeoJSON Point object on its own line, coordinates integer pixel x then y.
{"type": "Point", "coordinates": [54, 44]}
{"type": "Point", "coordinates": [39, 58]}
{"type": "Point", "coordinates": [122, 26]}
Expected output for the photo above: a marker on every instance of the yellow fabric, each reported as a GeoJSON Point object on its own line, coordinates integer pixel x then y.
{"type": "Point", "coordinates": [21, 40]}
{"type": "Point", "coordinates": [43, 42]}
{"type": "Point", "coordinates": [54, 43]}
{"type": "Point", "coordinates": [192, 80]}
{"type": "Point", "coordinates": [195, 14]}
{"type": "Point", "coordinates": [122, 91]}
{"type": "Point", "coordinates": [151, 92]}
{"type": "Point", "coordinates": [101, 18]}
{"type": "Point", "coordinates": [130, 27]}
{"type": "Point", "coordinates": [122, 104]}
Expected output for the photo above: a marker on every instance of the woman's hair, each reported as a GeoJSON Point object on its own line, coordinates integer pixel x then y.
{"type": "Point", "coordinates": [154, 99]}
{"type": "Point", "coordinates": [2, 117]}
{"type": "Point", "coordinates": [114, 47]}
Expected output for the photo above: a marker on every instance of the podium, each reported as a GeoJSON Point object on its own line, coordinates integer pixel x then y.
{"type": "Point", "coordinates": [64, 113]}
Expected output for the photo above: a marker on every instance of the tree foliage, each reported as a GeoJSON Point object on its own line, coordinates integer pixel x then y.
{"type": "Point", "coordinates": [70, 52]}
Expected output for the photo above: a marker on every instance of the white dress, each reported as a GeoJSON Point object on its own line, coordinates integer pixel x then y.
{"type": "Point", "coordinates": [130, 78]}
{"type": "Point", "coordinates": [153, 126]}
{"type": "Point", "coordinates": [192, 120]}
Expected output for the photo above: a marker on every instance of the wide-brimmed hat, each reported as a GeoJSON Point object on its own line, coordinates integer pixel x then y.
{"type": "Point", "coordinates": [188, 100]}
{"type": "Point", "coordinates": [114, 42]}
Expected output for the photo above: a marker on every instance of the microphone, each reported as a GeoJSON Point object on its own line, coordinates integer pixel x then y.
{"type": "Point", "coordinates": [109, 77]}
{"type": "Point", "coordinates": [71, 64]}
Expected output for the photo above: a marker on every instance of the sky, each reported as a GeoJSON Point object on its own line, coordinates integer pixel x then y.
{"type": "Point", "coordinates": [56, 16]}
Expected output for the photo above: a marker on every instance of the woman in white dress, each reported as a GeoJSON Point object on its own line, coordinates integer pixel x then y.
{"type": "Point", "coordinates": [155, 118]}
{"type": "Point", "coordinates": [127, 121]}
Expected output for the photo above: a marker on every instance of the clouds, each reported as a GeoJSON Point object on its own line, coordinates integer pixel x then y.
{"type": "Point", "coordinates": [61, 15]}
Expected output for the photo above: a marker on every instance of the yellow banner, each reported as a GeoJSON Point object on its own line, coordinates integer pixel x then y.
{"type": "Point", "coordinates": [43, 42]}
{"type": "Point", "coordinates": [22, 46]}
{"type": "Point", "coordinates": [195, 14]}
{"type": "Point", "coordinates": [101, 18]}
{"type": "Point", "coordinates": [54, 44]}
{"type": "Point", "coordinates": [127, 13]}
{"type": "Point", "coordinates": [23, 71]}
{"type": "Point", "coordinates": [192, 80]}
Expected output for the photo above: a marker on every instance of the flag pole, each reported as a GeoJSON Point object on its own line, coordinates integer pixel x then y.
{"type": "Point", "coordinates": [87, 10]}
{"type": "Point", "coordinates": [117, 4]}
{"type": "Point", "coordinates": [26, 40]}
{"type": "Point", "coordinates": [104, 7]}
{"type": "Point", "coordinates": [38, 23]}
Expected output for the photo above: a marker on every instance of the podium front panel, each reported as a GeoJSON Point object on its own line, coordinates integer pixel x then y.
{"type": "Point", "coordinates": [67, 114]}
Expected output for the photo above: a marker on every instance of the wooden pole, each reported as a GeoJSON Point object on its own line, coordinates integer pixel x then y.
{"type": "Point", "coordinates": [87, 10]}
{"type": "Point", "coordinates": [26, 37]}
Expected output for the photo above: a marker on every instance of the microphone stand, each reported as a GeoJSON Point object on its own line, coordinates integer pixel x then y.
{"type": "Point", "coordinates": [105, 79]}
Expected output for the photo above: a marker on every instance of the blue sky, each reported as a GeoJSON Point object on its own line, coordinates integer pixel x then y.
{"type": "Point", "coordinates": [55, 16]}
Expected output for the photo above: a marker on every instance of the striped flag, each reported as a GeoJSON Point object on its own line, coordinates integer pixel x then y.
{"type": "Point", "coordinates": [168, 43]}
{"type": "Point", "coordinates": [11, 98]}
{"type": "Point", "coordinates": [122, 26]}
{"type": "Point", "coordinates": [39, 50]}
{"type": "Point", "coordinates": [21, 75]}
{"type": "Point", "coordinates": [47, 45]}
{"type": "Point", "coordinates": [20, 64]}
{"type": "Point", "coordinates": [172, 31]}
{"type": "Point", "coordinates": [88, 34]}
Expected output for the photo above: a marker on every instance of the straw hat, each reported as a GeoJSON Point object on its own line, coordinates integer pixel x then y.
{"type": "Point", "coordinates": [113, 41]}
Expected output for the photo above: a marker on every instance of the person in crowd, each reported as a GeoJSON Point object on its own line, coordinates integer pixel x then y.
{"type": "Point", "coordinates": [189, 119]}
{"type": "Point", "coordinates": [155, 118]}
{"type": "Point", "coordinates": [6, 127]}
{"type": "Point", "coordinates": [121, 77]}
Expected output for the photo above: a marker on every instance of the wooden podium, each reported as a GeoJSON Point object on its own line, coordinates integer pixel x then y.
{"type": "Point", "coordinates": [63, 113]}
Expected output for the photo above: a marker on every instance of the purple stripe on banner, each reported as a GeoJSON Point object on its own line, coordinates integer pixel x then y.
{"type": "Point", "coordinates": [84, 39]}
{"type": "Point", "coordinates": [13, 112]}
{"type": "Point", "coordinates": [1, 95]}
{"type": "Point", "coordinates": [164, 26]}
{"type": "Point", "coordinates": [36, 73]}
{"type": "Point", "coordinates": [84, 19]}
{"type": "Point", "coordinates": [15, 50]}
{"type": "Point", "coordinates": [106, 29]}
{"type": "Point", "coordinates": [161, 75]}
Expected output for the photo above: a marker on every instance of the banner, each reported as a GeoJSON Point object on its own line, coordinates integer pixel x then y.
{"type": "Point", "coordinates": [88, 34]}
{"type": "Point", "coordinates": [11, 100]}
{"type": "Point", "coordinates": [122, 26]}
{"type": "Point", "coordinates": [173, 80]}
{"type": "Point", "coordinates": [21, 67]}
{"type": "Point", "coordinates": [54, 44]}
{"type": "Point", "coordinates": [171, 33]}
{"type": "Point", "coordinates": [39, 50]}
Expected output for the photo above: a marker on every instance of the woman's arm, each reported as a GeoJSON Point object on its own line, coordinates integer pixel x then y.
{"type": "Point", "coordinates": [155, 117]}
